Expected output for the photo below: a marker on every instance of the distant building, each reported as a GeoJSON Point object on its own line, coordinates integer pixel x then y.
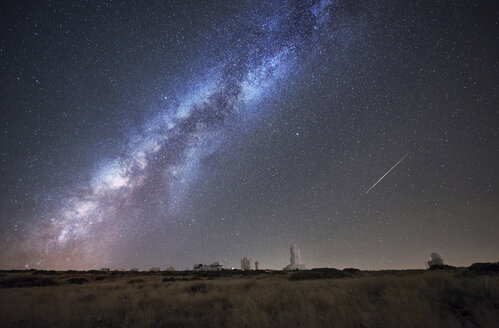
{"type": "Point", "coordinates": [216, 266]}
{"type": "Point", "coordinates": [295, 260]}
{"type": "Point", "coordinates": [134, 270]}
{"type": "Point", "coordinates": [436, 259]}
{"type": "Point", "coordinates": [105, 269]}
{"type": "Point", "coordinates": [154, 269]}
{"type": "Point", "coordinates": [245, 264]}
{"type": "Point", "coordinates": [170, 268]}
{"type": "Point", "coordinates": [256, 265]}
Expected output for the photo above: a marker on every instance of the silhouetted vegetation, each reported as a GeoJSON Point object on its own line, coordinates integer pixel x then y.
{"type": "Point", "coordinates": [199, 287]}
{"type": "Point", "coordinates": [169, 279]}
{"type": "Point", "coordinates": [176, 273]}
{"type": "Point", "coordinates": [464, 297]}
{"type": "Point", "coordinates": [77, 280]}
{"type": "Point", "coordinates": [47, 273]}
{"type": "Point", "coordinates": [489, 269]}
{"type": "Point", "coordinates": [26, 282]}
{"type": "Point", "coordinates": [320, 273]}
{"type": "Point", "coordinates": [443, 267]}
{"type": "Point", "coordinates": [398, 273]}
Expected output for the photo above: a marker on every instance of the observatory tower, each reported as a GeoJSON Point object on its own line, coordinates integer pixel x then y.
{"type": "Point", "coordinates": [245, 264]}
{"type": "Point", "coordinates": [295, 260]}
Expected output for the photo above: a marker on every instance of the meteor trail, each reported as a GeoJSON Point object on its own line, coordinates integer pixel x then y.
{"type": "Point", "coordinates": [374, 185]}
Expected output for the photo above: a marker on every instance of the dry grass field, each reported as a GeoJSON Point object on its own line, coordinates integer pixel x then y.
{"type": "Point", "coordinates": [319, 298]}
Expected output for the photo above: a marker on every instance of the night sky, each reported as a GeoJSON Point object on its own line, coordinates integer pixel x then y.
{"type": "Point", "coordinates": [183, 132]}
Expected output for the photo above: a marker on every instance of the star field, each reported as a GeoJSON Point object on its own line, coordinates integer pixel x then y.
{"type": "Point", "coordinates": [178, 133]}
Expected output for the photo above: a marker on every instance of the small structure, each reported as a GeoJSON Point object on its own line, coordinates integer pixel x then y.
{"type": "Point", "coordinates": [170, 268]}
{"type": "Point", "coordinates": [216, 266]}
{"type": "Point", "coordinates": [245, 264]}
{"type": "Point", "coordinates": [256, 265]}
{"type": "Point", "coordinates": [295, 260]}
{"type": "Point", "coordinates": [436, 259]}
{"type": "Point", "coordinates": [105, 269]}
{"type": "Point", "coordinates": [154, 269]}
{"type": "Point", "coordinates": [134, 270]}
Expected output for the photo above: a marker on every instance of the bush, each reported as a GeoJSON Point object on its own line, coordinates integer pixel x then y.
{"type": "Point", "coordinates": [444, 267]}
{"type": "Point", "coordinates": [176, 273]}
{"type": "Point", "coordinates": [207, 274]}
{"type": "Point", "coordinates": [135, 281]}
{"type": "Point", "coordinates": [351, 270]}
{"type": "Point", "coordinates": [77, 281]}
{"type": "Point", "coordinates": [322, 273]}
{"type": "Point", "coordinates": [27, 282]}
{"type": "Point", "coordinates": [489, 269]}
{"type": "Point", "coordinates": [168, 279]}
{"type": "Point", "coordinates": [48, 273]}
{"type": "Point", "coordinates": [199, 287]}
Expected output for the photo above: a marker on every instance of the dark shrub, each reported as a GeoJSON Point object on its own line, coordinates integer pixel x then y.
{"type": "Point", "coordinates": [199, 287]}
{"type": "Point", "coordinates": [77, 281]}
{"type": "Point", "coordinates": [490, 269]}
{"type": "Point", "coordinates": [351, 270]}
{"type": "Point", "coordinates": [136, 281]}
{"type": "Point", "coordinates": [100, 278]}
{"type": "Point", "coordinates": [48, 273]}
{"type": "Point", "coordinates": [322, 273]}
{"type": "Point", "coordinates": [27, 282]}
{"type": "Point", "coordinates": [207, 274]}
{"type": "Point", "coordinates": [443, 267]}
{"type": "Point", "coordinates": [280, 272]}
{"type": "Point", "coordinates": [398, 273]}
{"type": "Point", "coordinates": [176, 273]}
{"type": "Point", "coordinates": [167, 279]}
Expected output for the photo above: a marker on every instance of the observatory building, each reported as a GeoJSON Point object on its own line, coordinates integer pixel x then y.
{"type": "Point", "coordinates": [295, 260]}
{"type": "Point", "coordinates": [245, 264]}
{"type": "Point", "coordinates": [436, 259]}
{"type": "Point", "coordinates": [216, 266]}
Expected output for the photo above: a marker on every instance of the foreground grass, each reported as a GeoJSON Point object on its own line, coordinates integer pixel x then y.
{"type": "Point", "coordinates": [363, 299]}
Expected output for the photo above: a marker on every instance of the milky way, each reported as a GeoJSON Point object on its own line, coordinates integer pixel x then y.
{"type": "Point", "coordinates": [166, 156]}
{"type": "Point", "coordinates": [177, 133]}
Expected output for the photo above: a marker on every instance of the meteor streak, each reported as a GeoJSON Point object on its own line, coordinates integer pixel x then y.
{"type": "Point", "coordinates": [374, 185]}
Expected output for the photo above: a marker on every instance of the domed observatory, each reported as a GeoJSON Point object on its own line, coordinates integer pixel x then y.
{"type": "Point", "coordinates": [436, 259]}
